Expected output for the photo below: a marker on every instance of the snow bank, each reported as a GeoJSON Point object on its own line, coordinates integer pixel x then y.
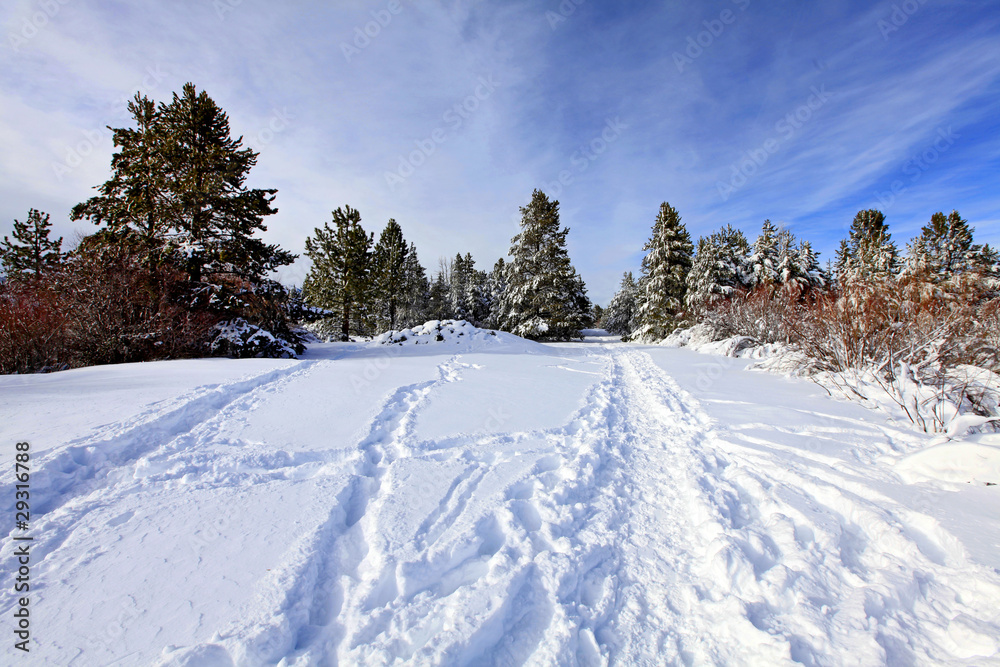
{"type": "Point", "coordinates": [906, 396]}
{"type": "Point", "coordinates": [960, 462]}
{"type": "Point", "coordinates": [445, 334]}
{"type": "Point", "coordinates": [771, 357]}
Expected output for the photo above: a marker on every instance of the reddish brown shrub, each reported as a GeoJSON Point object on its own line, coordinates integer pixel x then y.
{"type": "Point", "coordinates": [32, 328]}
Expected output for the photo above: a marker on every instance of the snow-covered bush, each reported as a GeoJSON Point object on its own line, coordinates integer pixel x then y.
{"type": "Point", "coordinates": [928, 352]}
{"type": "Point", "coordinates": [240, 339]}
{"type": "Point", "coordinates": [437, 331]}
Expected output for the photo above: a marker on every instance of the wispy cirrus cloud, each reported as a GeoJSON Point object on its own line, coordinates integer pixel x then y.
{"type": "Point", "coordinates": [349, 118]}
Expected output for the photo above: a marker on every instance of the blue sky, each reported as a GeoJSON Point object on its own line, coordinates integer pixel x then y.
{"type": "Point", "coordinates": [446, 115]}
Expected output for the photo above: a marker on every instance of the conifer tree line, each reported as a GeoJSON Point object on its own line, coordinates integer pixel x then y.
{"type": "Point", "coordinates": [366, 287]}
{"type": "Point", "coordinates": [774, 288]}
{"type": "Point", "coordinates": [176, 266]}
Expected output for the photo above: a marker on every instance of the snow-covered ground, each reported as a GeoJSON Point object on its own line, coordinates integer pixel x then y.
{"type": "Point", "coordinates": [482, 499]}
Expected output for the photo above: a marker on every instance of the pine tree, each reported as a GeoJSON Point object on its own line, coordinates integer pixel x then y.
{"type": "Point", "coordinates": [139, 203]}
{"type": "Point", "coordinates": [339, 277]}
{"type": "Point", "coordinates": [944, 248]}
{"type": "Point", "coordinates": [702, 283]}
{"type": "Point", "coordinates": [545, 297]}
{"type": "Point", "coordinates": [416, 291]}
{"type": "Point", "coordinates": [179, 181]}
{"type": "Point", "coordinates": [477, 297]}
{"type": "Point", "coordinates": [496, 288]}
{"type": "Point", "coordinates": [388, 276]}
{"type": "Point", "coordinates": [808, 266]}
{"type": "Point", "coordinates": [720, 267]}
{"type": "Point", "coordinates": [871, 254]}
{"type": "Point", "coordinates": [663, 285]}
{"type": "Point", "coordinates": [461, 297]}
{"type": "Point", "coordinates": [438, 306]}
{"type": "Point", "coordinates": [839, 267]}
{"type": "Point", "coordinates": [764, 260]}
{"type": "Point", "coordinates": [582, 306]}
{"type": "Point", "coordinates": [32, 253]}
{"type": "Point", "coordinates": [787, 268]}
{"type": "Point", "coordinates": [619, 316]}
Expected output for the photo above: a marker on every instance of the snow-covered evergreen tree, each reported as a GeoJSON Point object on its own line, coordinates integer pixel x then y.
{"type": "Point", "coordinates": [545, 297]}
{"type": "Point", "coordinates": [720, 267]}
{"type": "Point", "coordinates": [764, 259]}
{"type": "Point", "coordinates": [619, 316]}
{"type": "Point", "coordinates": [871, 254]}
{"type": "Point", "coordinates": [388, 277]}
{"type": "Point", "coordinates": [807, 265]}
{"type": "Point", "coordinates": [438, 303]}
{"type": "Point", "coordinates": [31, 253]}
{"type": "Point", "coordinates": [582, 306]}
{"type": "Point", "coordinates": [478, 296]}
{"type": "Point", "coordinates": [416, 291]}
{"type": "Point", "coordinates": [839, 267]}
{"type": "Point", "coordinates": [944, 249]}
{"type": "Point", "coordinates": [496, 288]}
{"type": "Point", "coordinates": [339, 277]}
{"type": "Point", "coordinates": [467, 295]}
{"type": "Point", "coordinates": [458, 288]}
{"type": "Point", "coordinates": [788, 255]}
{"type": "Point", "coordinates": [664, 276]}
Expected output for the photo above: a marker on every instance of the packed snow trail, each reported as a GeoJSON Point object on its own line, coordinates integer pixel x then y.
{"type": "Point", "coordinates": [579, 508]}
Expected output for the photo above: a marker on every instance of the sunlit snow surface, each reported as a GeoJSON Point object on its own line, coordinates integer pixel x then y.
{"type": "Point", "coordinates": [485, 500]}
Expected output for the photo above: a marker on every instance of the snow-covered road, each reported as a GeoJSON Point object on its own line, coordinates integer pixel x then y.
{"type": "Point", "coordinates": [490, 502]}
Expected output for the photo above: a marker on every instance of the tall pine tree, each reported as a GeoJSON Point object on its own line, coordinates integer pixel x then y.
{"type": "Point", "coordinates": [496, 288]}
{"type": "Point", "coordinates": [808, 267]}
{"type": "Point", "coordinates": [339, 277]}
{"type": "Point", "coordinates": [416, 291]}
{"type": "Point", "coordinates": [388, 276]}
{"type": "Point", "coordinates": [870, 253]}
{"type": "Point", "coordinates": [764, 260]}
{"type": "Point", "coordinates": [179, 181]}
{"type": "Point", "coordinates": [663, 285]}
{"type": "Point", "coordinates": [944, 248]}
{"type": "Point", "coordinates": [720, 268]}
{"type": "Point", "coordinates": [619, 316]}
{"type": "Point", "coordinates": [545, 297]}
{"type": "Point", "coordinates": [32, 253]}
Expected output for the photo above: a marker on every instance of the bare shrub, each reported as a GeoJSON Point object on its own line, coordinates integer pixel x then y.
{"type": "Point", "coordinates": [761, 313]}
{"type": "Point", "coordinates": [32, 328]}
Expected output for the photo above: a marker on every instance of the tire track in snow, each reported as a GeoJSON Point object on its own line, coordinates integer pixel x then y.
{"type": "Point", "coordinates": [98, 470]}
{"type": "Point", "coordinates": [303, 612]}
{"type": "Point", "coordinates": [827, 565]}
{"type": "Point", "coordinates": [884, 581]}
{"type": "Point", "coordinates": [640, 535]}
{"type": "Point", "coordinates": [580, 563]}
{"type": "Point", "coordinates": [89, 463]}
